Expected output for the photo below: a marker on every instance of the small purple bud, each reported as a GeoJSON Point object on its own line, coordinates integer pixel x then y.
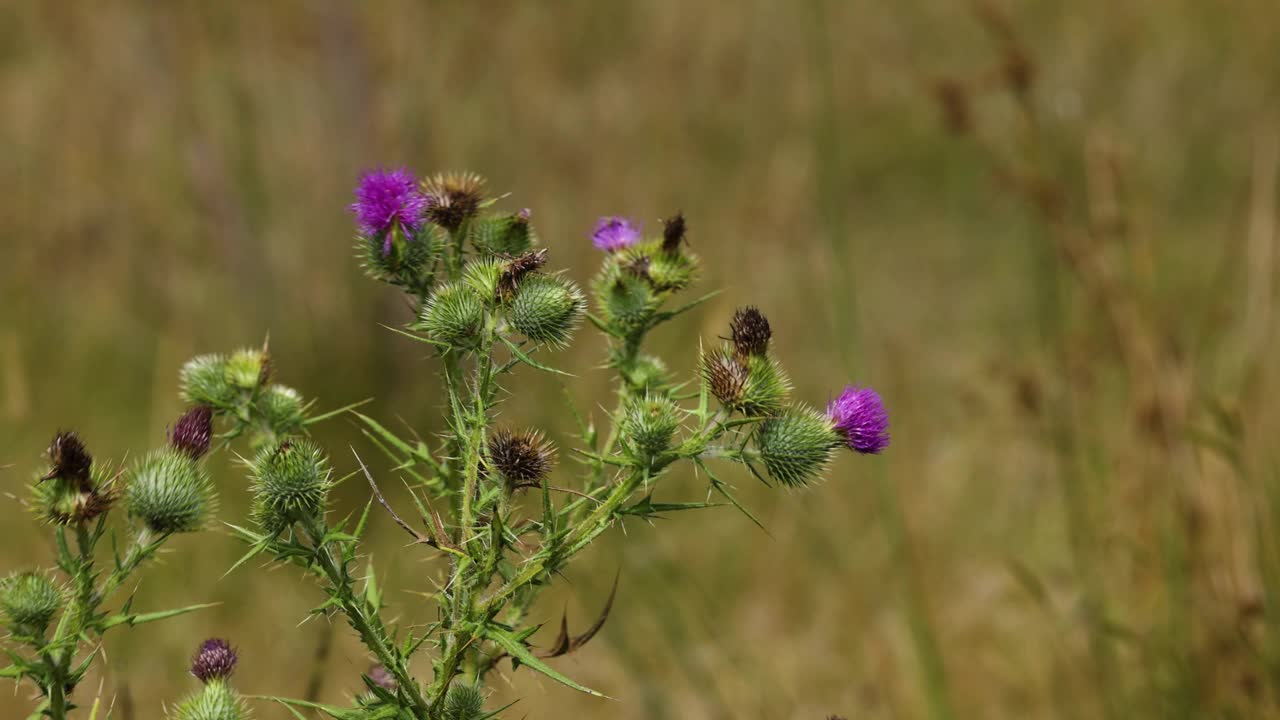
{"type": "Point", "coordinates": [383, 678]}
{"type": "Point", "coordinates": [215, 659]}
{"type": "Point", "coordinates": [859, 415]}
{"type": "Point", "coordinates": [525, 214]}
{"type": "Point", "coordinates": [193, 432]}
{"type": "Point", "coordinates": [614, 233]}
{"type": "Point", "coordinates": [385, 198]}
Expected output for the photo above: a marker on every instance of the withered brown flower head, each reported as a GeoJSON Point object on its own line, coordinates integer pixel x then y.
{"type": "Point", "coordinates": [750, 331]}
{"type": "Point", "coordinates": [516, 270]}
{"type": "Point", "coordinates": [522, 457]}
{"type": "Point", "coordinates": [71, 460]}
{"type": "Point", "coordinates": [726, 376]}
{"type": "Point", "coordinates": [673, 230]}
{"type": "Point", "coordinates": [453, 198]}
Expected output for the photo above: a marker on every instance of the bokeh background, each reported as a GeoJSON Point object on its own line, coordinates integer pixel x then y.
{"type": "Point", "coordinates": [1045, 231]}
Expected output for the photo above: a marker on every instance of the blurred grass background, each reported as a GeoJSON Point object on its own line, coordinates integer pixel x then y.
{"type": "Point", "coordinates": [1061, 280]}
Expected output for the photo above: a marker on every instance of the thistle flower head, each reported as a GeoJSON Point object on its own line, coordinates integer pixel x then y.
{"type": "Point", "coordinates": [215, 659]}
{"type": "Point", "coordinates": [78, 501]}
{"type": "Point", "coordinates": [750, 331]}
{"type": "Point", "coordinates": [521, 457]}
{"type": "Point", "coordinates": [614, 233]}
{"type": "Point", "coordinates": [71, 461]}
{"type": "Point", "coordinates": [193, 432]}
{"type": "Point", "coordinates": [29, 601]}
{"type": "Point", "coordinates": [650, 423]}
{"type": "Point", "coordinates": [463, 702]}
{"type": "Point", "coordinates": [796, 445]}
{"type": "Point", "coordinates": [547, 309]}
{"type": "Point", "coordinates": [215, 701]}
{"type": "Point", "coordinates": [170, 492]}
{"type": "Point", "coordinates": [204, 381]}
{"type": "Point", "coordinates": [504, 235]}
{"type": "Point", "coordinates": [453, 198]}
{"type": "Point", "coordinates": [385, 199]}
{"type": "Point", "coordinates": [453, 315]}
{"type": "Point", "coordinates": [673, 230]}
{"type": "Point", "coordinates": [290, 483]}
{"type": "Point", "coordinates": [283, 410]}
{"type": "Point", "coordinates": [860, 417]}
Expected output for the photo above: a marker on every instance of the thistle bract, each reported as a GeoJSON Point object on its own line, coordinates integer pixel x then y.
{"type": "Point", "coordinates": [796, 445]}
{"type": "Point", "coordinates": [754, 384]}
{"type": "Point", "coordinates": [290, 483]}
{"type": "Point", "coordinates": [170, 492]}
{"type": "Point", "coordinates": [650, 423]}
{"type": "Point", "coordinates": [70, 503]}
{"type": "Point", "coordinates": [453, 315]}
{"type": "Point", "coordinates": [547, 309]}
{"type": "Point", "coordinates": [627, 301]}
{"type": "Point", "coordinates": [217, 701]}
{"type": "Point", "coordinates": [29, 601]}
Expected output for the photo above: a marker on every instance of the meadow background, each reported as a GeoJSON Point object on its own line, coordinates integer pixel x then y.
{"type": "Point", "coordinates": [1045, 231]}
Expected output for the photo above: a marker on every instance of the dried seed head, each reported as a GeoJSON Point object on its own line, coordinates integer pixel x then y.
{"type": "Point", "coordinates": [516, 269]}
{"type": "Point", "coordinates": [63, 503]}
{"type": "Point", "coordinates": [215, 659]}
{"type": "Point", "coordinates": [521, 457]}
{"type": "Point", "coordinates": [673, 230]}
{"type": "Point", "coordinates": [193, 432]}
{"type": "Point", "coordinates": [453, 198]}
{"type": "Point", "coordinates": [796, 445]}
{"type": "Point", "coordinates": [750, 331]}
{"type": "Point", "coordinates": [170, 492]}
{"type": "Point", "coordinates": [724, 376]}
{"type": "Point", "coordinates": [72, 463]}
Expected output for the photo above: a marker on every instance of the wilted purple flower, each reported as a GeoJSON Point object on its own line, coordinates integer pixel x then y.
{"type": "Point", "coordinates": [859, 415]}
{"type": "Point", "coordinates": [382, 677]}
{"type": "Point", "coordinates": [215, 659]}
{"type": "Point", "coordinates": [193, 432]}
{"type": "Point", "coordinates": [387, 197]}
{"type": "Point", "coordinates": [614, 233]}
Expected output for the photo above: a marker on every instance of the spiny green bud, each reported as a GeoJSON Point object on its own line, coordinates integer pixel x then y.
{"type": "Point", "coordinates": [248, 368]}
{"type": "Point", "coordinates": [628, 302]}
{"type": "Point", "coordinates": [29, 600]}
{"type": "Point", "coordinates": [453, 315]}
{"type": "Point", "coordinates": [650, 423]}
{"type": "Point", "coordinates": [483, 276]}
{"type": "Point", "coordinates": [217, 701]}
{"type": "Point", "coordinates": [463, 702]}
{"type": "Point", "coordinates": [647, 373]}
{"type": "Point", "coordinates": [204, 382]}
{"type": "Point", "coordinates": [547, 309]}
{"type": "Point", "coordinates": [796, 445]}
{"type": "Point", "coordinates": [409, 261]}
{"type": "Point", "coordinates": [290, 483]}
{"type": "Point", "coordinates": [503, 234]}
{"type": "Point", "coordinates": [170, 492]}
{"type": "Point", "coordinates": [664, 270]}
{"type": "Point", "coordinates": [282, 408]}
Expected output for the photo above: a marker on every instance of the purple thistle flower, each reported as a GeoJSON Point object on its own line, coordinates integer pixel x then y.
{"type": "Point", "coordinates": [614, 233]}
{"type": "Point", "coordinates": [193, 432]}
{"type": "Point", "coordinates": [382, 677]}
{"type": "Point", "coordinates": [385, 198]}
{"type": "Point", "coordinates": [859, 415]}
{"type": "Point", "coordinates": [215, 659]}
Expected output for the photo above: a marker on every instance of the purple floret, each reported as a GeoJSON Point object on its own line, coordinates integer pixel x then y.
{"type": "Point", "coordinates": [215, 659]}
{"type": "Point", "coordinates": [385, 198]}
{"type": "Point", "coordinates": [859, 415]}
{"type": "Point", "coordinates": [614, 233]}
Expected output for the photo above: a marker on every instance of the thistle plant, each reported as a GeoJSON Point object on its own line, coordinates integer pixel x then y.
{"type": "Point", "coordinates": [488, 498]}
{"type": "Point", "coordinates": [56, 618]}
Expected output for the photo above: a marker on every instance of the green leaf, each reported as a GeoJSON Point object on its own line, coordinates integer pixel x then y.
{"type": "Point", "coordinates": [334, 413]}
{"type": "Point", "coordinates": [515, 350]}
{"type": "Point", "coordinates": [332, 711]}
{"type": "Point", "coordinates": [140, 618]}
{"type": "Point", "coordinates": [517, 649]}
{"type": "Point", "coordinates": [648, 508]}
{"type": "Point", "coordinates": [723, 489]}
